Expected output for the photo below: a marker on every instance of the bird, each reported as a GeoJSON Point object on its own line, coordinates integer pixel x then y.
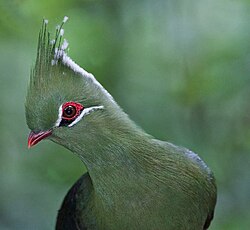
{"type": "Point", "coordinates": [133, 180]}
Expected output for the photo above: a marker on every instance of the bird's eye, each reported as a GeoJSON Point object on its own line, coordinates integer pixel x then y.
{"type": "Point", "coordinates": [69, 111]}
{"type": "Point", "coordinates": [72, 112]}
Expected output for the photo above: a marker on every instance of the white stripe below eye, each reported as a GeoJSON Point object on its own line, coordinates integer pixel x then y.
{"type": "Point", "coordinates": [59, 119]}
{"type": "Point", "coordinates": [85, 112]}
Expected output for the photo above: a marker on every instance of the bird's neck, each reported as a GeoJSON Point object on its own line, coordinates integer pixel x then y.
{"type": "Point", "coordinates": [114, 159]}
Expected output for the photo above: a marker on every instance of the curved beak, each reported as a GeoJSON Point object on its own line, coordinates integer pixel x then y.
{"type": "Point", "coordinates": [34, 138]}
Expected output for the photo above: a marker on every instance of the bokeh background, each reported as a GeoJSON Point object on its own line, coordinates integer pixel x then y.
{"type": "Point", "coordinates": [180, 69]}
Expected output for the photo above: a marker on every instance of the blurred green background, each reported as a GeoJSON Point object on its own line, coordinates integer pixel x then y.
{"type": "Point", "coordinates": [179, 68]}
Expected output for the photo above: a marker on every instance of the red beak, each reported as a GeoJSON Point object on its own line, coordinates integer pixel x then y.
{"type": "Point", "coordinates": [34, 138]}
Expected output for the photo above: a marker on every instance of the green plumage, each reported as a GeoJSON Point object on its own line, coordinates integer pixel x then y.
{"type": "Point", "coordinates": [134, 181]}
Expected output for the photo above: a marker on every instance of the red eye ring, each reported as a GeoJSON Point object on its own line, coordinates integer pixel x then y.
{"type": "Point", "coordinates": [71, 110]}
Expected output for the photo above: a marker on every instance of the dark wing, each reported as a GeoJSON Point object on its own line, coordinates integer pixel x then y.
{"type": "Point", "coordinates": [68, 215]}
{"type": "Point", "coordinates": [208, 221]}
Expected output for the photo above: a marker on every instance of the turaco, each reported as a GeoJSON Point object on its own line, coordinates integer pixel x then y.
{"type": "Point", "coordinates": [133, 181]}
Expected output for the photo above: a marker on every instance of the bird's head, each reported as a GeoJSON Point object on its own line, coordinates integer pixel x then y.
{"type": "Point", "coordinates": [62, 99]}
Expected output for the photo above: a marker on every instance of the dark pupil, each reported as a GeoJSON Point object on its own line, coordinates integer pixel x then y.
{"type": "Point", "coordinates": [69, 111]}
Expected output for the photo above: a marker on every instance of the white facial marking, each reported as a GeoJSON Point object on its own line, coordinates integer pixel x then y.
{"type": "Point", "coordinates": [85, 112]}
{"type": "Point", "coordinates": [59, 119]}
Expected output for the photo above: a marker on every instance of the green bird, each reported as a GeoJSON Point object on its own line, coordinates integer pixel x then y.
{"type": "Point", "coordinates": [133, 180]}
